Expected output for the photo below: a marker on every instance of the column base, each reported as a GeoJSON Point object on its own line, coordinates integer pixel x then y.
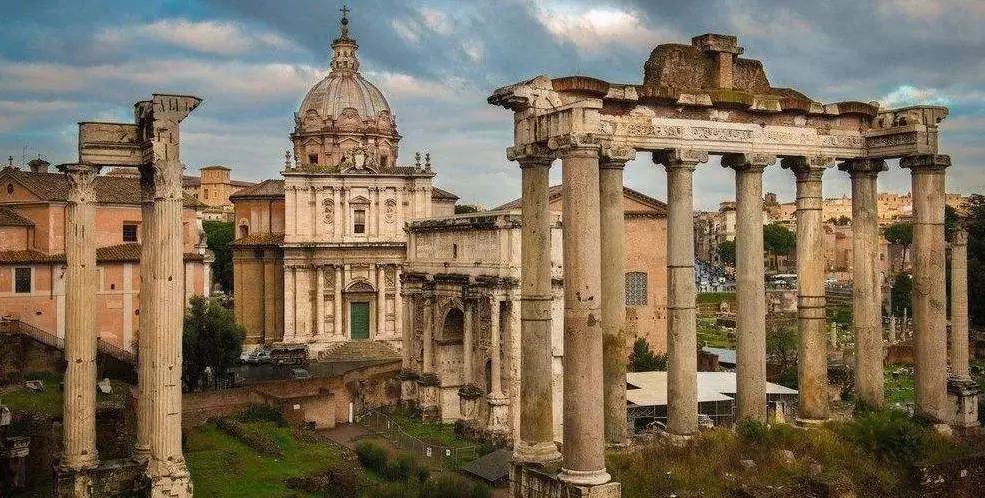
{"type": "Point", "coordinates": [169, 479]}
{"type": "Point", "coordinates": [532, 481]}
{"type": "Point", "coordinates": [962, 404]}
{"type": "Point", "coordinates": [543, 453]}
{"type": "Point", "coordinates": [109, 478]}
{"type": "Point", "coordinates": [584, 477]}
{"type": "Point", "coordinates": [498, 413]}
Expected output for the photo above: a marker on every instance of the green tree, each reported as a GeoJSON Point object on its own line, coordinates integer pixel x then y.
{"type": "Point", "coordinates": [467, 208]}
{"type": "Point", "coordinates": [902, 295]}
{"type": "Point", "coordinates": [643, 359]}
{"type": "Point", "coordinates": [211, 338]}
{"type": "Point", "coordinates": [726, 252]}
{"type": "Point", "coordinates": [975, 217]}
{"type": "Point", "coordinates": [781, 350]}
{"type": "Point", "coordinates": [778, 240]}
{"type": "Point", "coordinates": [218, 236]}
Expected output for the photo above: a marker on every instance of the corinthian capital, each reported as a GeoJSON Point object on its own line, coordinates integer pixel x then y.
{"type": "Point", "coordinates": [959, 237]}
{"type": "Point", "coordinates": [616, 156]}
{"type": "Point", "coordinates": [928, 162]}
{"type": "Point", "coordinates": [863, 166]}
{"type": "Point", "coordinates": [748, 161]}
{"type": "Point", "coordinates": [680, 158]}
{"type": "Point", "coordinates": [81, 181]}
{"type": "Point", "coordinates": [530, 154]}
{"type": "Point", "coordinates": [807, 167]}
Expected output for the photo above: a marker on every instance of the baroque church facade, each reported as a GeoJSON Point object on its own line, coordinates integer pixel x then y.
{"type": "Point", "coordinates": [319, 254]}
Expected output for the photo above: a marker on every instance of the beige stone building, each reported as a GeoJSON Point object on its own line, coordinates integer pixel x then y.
{"type": "Point", "coordinates": [211, 189]}
{"type": "Point", "coordinates": [319, 254]}
{"type": "Point", "coordinates": [463, 300]}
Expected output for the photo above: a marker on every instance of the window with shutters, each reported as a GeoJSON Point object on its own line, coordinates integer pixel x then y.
{"type": "Point", "coordinates": [359, 221]}
{"type": "Point", "coordinates": [22, 280]}
{"type": "Point", "coordinates": [636, 288]}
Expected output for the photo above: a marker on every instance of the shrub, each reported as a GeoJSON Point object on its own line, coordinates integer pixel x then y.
{"type": "Point", "coordinates": [401, 468]}
{"type": "Point", "coordinates": [891, 435]}
{"type": "Point", "coordinates": [394, 490]}
{"type": "Point", "coordinates": [447, 485]}
{"type": "Point", "coordinates": [250, 436]}
{"type": "Point", "coordinates": [335, 482]}
{"type": "Point", "coordinates": [261, 413]}
{"type": "Point", "coordinates": [373, 457]}
{"type": "Point", "coordinates": [752, 431]}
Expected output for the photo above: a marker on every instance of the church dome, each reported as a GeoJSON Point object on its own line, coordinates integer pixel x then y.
{"type": "Point", "coordinates": [344, 87]}
{"type": "Point", "coordinates": [339, 91]}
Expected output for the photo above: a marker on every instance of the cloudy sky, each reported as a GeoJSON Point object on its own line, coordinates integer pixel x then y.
{"type": "Point", "coordinates": [437, 60]}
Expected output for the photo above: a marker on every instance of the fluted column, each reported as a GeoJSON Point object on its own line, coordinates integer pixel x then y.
{"type": "Point", "coordinates": [166, 468]}
{"type": "Point", "coordinates": [750, 370]}
{"type": "Point", "coordinates": [929, 300]}
{"type": "Point", "coordinates": [866, 285]}
{"type": "Point", "coordinates": [148, 306]}
{"type": "Point", "coordinates": [380, 301]}
{"type": "Point", "coordinates": [337, 304]}
{"type": "Point", "coordinates": [959, 305]}
{"type": "Point", "coordinates": [612, 229]}
{"type": "Point", "coordinates": [79, 418]}
{"type": "Point", "coordinates": [584, 442]}
{"type": "Point", "coordinates": [682, 338]}
{"type": "Point", "coordinates": [812, 353]}
{"type": "Point", "coordinates": [536, 442]}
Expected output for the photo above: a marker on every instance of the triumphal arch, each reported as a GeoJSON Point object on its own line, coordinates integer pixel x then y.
{"type": "Point", "coordinates": [697, 100]}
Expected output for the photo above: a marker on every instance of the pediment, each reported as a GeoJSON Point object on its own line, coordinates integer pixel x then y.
{"type": "Point", "coordinates": [360, 286]}
{"type": "Point", "coordinates": [359, 200]}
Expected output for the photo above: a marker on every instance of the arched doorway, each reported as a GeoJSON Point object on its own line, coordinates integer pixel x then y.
{"type": "Point", "coordinates": [454, 326]}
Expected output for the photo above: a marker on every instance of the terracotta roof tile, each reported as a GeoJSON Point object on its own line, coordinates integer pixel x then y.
{"type": "Point", "coordinates": [266, 188]}
{"type": "Point", "coordinates": [11, 218]}
{"type": "Point", "coordinates": [260, 239]}
{"type": "Point", "coordinates": [437, 193]}
{"type": "Point", "coordinates": [110, 189]}
{"type": "Point", "coordinates": [110, 254]}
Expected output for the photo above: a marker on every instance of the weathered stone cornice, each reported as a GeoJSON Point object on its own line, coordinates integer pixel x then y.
{"type": "Point", "coordinates": [574, 141]}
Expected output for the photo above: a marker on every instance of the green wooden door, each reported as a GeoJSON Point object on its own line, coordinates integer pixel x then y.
{"type": "Point", "coordinates": [359, 320]}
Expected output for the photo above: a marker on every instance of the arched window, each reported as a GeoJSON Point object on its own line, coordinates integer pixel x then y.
{"type": "Point", "coordinates": [454, 326]}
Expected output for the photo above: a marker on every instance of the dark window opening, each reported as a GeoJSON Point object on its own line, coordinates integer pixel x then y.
{"type": "Point", "coordinates": [454, 251]}
{"type": "Point", "coordinates": [312, 158]}
{"type": "Point", "coordinates": [22, 280]}
{"type": "Point", "coordinates": [359, 221]}
{"type": "Point", "coordinates": [244, 230]}
{"type": "Point", "coordinates": [129, 232]}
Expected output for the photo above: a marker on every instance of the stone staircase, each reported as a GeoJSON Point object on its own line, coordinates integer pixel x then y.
{"type": "Point", "coordinates": [359, 351]}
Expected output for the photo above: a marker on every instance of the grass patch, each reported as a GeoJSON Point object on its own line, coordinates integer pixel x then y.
{"type": "Point", "coordinates": [870, 456]}
{"type": "Point", "coordinates": [222, 466]}
{"type": "Point", "coordinates": [899, 385]}
{"type": "Point", "coordinates": [431, 432]}
{"type": "Point", "coordinates": [716, 298]}
{"type": "Point", "coordinates": [712, 335]}
{"type": "Point", "coordinates": [50, 400]}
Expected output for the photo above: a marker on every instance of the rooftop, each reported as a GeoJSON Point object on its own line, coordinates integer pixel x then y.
{"type": "Point", "coordinates": [650, 388]}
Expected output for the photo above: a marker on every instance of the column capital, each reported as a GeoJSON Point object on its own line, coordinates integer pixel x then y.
{"type": "Point", "coordinates": [615, 156]}
{"type": "Point", "coordinates": [863, 166]}
{"type": "Point", "coordinates": [530, 155]}
{"type": "Point", "coordinates": [575, 144]}
{"type": "Point", "coordinates": [81, 179]}
{"type": "Point", "coordinates": [927, 162]}
{"type": "Point", "coordinates": [807, 167]}
{"type": "Point", "coordinates": [680, 158]}
{"type": "Point", "coordinates": [959, 237]}
{"type": "Point", "coordinates": [748, 162]}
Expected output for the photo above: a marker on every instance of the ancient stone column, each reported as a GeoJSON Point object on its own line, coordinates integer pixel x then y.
{"type": "Point", "coordinates": [428, 336]}
{"type": "Point", "coordinates": [467, 341]}
{"type": "Point", "coordinates": [959, 305]}
{"type": "Point", "coordinates": [812, 354]}
{"type": "Point", "coordinates": [584, 443]}
{"type": "Point", "coordinates": [866, 280]}
{"type": "Point", "coordinates": [320, 301]}
{"type": "Point", "coordinates": [929, 300]}
{"type": "Point", "coordinates": [380, 302]}
{"type": "Point", "coordinates": [337, 304]}
{"type": "Point", "coordinates": [682, 338]}
{"type": "Point", "coordinates": [750, 369]}
{"type": "Point", "coordinates": [166, 468]}
{"type": "Point", "coordinates": [536, 441]}
{"type": "Point", "coordinates": [497, 401]}
{"type": "Point", "coordinates": [79, 419]}
{"type": "Point", "coordinates": [613, 247]}
{"type": "Point", "coordinates": [148, 307]}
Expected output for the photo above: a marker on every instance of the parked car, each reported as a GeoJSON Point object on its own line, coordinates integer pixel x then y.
{"type": "Point", "coordinates": [289, 354]}
{"type": "Point", "coordinates": [300, 373]}
{"type": "Point", "coordinates": [258, 356]}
